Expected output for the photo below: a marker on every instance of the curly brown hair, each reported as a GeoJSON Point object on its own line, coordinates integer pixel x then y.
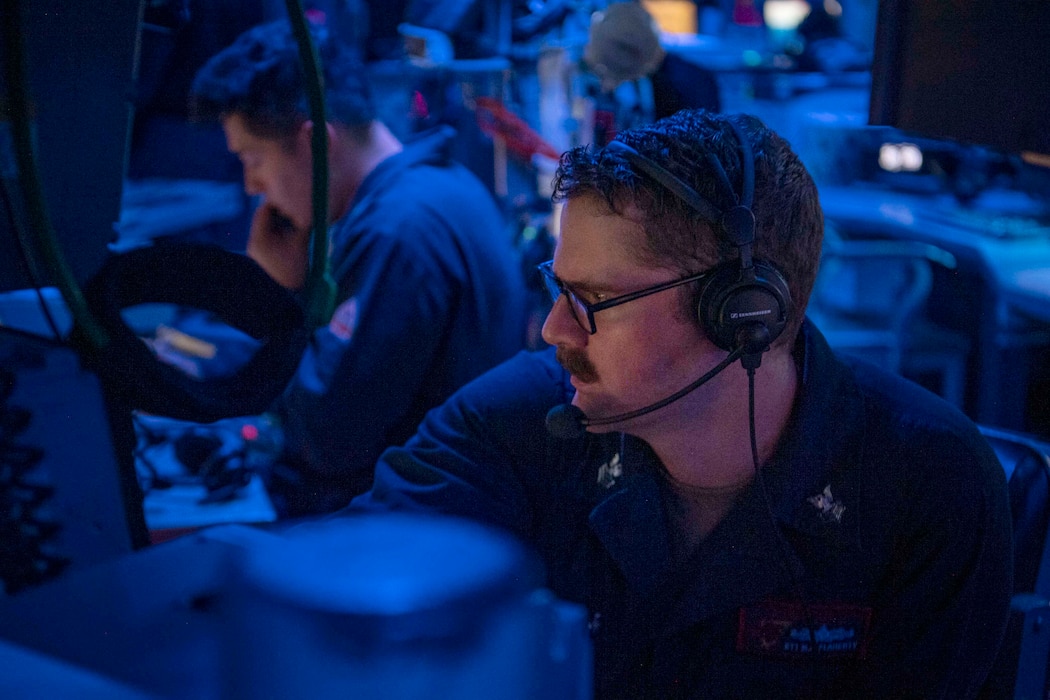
{"type": "Point", "coordinates": [789, 222]}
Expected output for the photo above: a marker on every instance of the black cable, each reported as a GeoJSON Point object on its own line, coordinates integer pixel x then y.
{"type": "Point", "coordinates": [22, 244]}
{"type": "Point", "coordinates": [223, 471]}
{"type": "Point", "coordinates": [153, 481]}
{"type": "Point", "coordinates": [784, 546]}
{"type": "Point", "coordinates": [320, 289]}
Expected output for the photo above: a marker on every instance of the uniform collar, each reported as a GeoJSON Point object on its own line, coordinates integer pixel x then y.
{"type": "Point", "coordinates": [807, 482]}
{"type": "Point", "coordinates": [743, 559]}
{"type": "Point", "coordinates": [431, 147]}
{"type": "Point", "coordinates": [630, 520]}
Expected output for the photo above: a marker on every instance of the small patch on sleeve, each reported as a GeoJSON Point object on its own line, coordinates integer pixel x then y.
{"type": "Point", "coordinates": [344, 320]}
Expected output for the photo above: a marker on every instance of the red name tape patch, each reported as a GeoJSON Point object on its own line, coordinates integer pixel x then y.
{"type": "Point", "coordinates": [793, 629]}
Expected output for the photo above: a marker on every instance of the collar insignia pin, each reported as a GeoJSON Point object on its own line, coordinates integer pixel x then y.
{"type": "Point", "coordinates": [609, 472]}
{"type": "Point", "coordinates": [830, 509]}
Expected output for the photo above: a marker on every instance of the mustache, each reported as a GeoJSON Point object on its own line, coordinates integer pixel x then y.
{"type": "Point", "coordinates": [576, 364]}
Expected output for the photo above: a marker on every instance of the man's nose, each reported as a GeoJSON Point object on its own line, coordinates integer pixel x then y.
{"type": "Point", "coordinates": [560, 326]}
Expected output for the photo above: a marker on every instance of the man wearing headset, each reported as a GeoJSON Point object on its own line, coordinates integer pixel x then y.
{"type": "Point", "coordinates": [429, 290]}
{"type": "Point", "coordinates": [743, 513]}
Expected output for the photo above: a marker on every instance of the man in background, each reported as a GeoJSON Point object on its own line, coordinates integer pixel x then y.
{"type": "Point", "coordinates": [429, 291]}
{"type": "Point", "coordinates": [623, 47]}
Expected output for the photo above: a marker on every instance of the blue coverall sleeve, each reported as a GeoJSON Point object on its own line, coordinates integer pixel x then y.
{"type": "Point", "coordinates": [483, 454]}
{"type": "Point", "coordinates": [359, 375]}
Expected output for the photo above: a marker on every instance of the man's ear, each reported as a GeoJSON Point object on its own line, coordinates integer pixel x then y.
{"type": "Point", "coordinates": [306, 130]}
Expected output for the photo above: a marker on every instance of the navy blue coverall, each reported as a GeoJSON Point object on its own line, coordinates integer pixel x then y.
{"type": "Point", "coordinates": [887, 573]}
{"type": "Point", "coordinates": [430, 294]}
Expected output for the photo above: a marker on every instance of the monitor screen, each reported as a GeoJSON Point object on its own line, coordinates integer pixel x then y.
{"type": "Point", "coordinates": [969, 71]}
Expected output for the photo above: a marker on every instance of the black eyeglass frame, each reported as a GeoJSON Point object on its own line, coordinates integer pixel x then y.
{"type": "Point", "coordinates": [556, 287]}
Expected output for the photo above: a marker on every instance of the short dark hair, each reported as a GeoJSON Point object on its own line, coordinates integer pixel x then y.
{"type": "Point", "coordinates": [789, 229]}
{"type": "Point", "coordinates": [259, 77]}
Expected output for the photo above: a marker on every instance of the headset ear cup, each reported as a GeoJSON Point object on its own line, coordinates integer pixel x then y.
{"type": "Point", "coordinates": [730, 303]}
{"type": "Point", "coordinates": [206, 277]}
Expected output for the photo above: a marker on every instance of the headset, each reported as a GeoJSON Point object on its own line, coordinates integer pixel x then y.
{"type": "Point", "coordinates": [201, 276]}
{"type": "Point", "coordinates": [744, 304]}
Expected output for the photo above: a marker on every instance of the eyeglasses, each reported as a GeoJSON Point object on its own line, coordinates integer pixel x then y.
{"type": "Point", "coordinates": [583, 311]}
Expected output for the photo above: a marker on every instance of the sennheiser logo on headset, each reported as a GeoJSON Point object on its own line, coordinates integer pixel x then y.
{"type": "Point", "coordinates": [747, 314]}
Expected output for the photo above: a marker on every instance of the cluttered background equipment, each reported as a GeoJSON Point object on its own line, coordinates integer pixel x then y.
{"type": "Point", "coordinates": [131, 472]}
